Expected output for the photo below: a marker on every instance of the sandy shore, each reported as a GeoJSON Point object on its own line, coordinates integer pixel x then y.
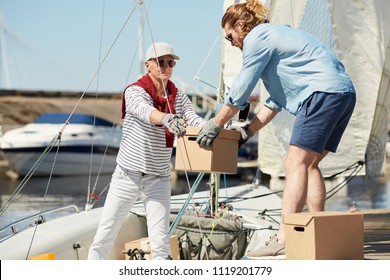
{"type": "Point", "coordinates": [20, 110]}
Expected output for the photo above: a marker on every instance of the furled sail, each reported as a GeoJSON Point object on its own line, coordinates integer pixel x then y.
{"type": "Point", "coordinates": [359, 33]}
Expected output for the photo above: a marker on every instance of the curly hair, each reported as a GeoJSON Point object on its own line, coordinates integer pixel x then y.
{"type": "Point", "coordinates": [252, 13]}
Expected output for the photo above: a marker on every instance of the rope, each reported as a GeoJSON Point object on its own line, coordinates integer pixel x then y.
{"type": "Point", "coordinates": [183, 208]}
{"type": "Point", "coordinates": [225, 232]}
{"type": "Point", "coordinates": [224, 212]}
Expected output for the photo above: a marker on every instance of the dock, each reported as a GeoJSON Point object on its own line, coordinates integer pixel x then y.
{"type": "Point", "coordinates": [377, 234]}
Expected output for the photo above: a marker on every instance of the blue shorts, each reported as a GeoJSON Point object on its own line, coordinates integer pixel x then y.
{"type": "Point", "coordinates": [322, 120]}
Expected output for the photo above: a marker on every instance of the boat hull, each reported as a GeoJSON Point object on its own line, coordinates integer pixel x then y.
{"type": "Point", "coordinates": [62, 164]}
{"type": "Point", "coordinates": [45, 147]}
{"type": "Point", "coordinates": [69, 237]}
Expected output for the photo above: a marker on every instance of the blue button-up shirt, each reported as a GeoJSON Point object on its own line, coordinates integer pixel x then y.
{"type": "Point", "coordinates": [292, 65]}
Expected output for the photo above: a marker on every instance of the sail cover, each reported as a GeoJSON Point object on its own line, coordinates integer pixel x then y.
{"type": "Point", "coordinates": [218, 239]}
{"type": "Point", "coordinates": [359, 33]}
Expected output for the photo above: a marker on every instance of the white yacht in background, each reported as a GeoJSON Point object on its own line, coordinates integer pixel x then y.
{"type": "Point", "coordinates": [89, 144]}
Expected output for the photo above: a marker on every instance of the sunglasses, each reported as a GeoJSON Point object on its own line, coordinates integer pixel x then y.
{"type": "Point", "coordinates": [162, 63]}
{"type": "Point", "coordinates": [229, 38]}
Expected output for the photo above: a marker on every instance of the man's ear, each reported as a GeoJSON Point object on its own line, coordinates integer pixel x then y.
{"type": "Point", "coordinates": [147, 66]}
{"type": "Point", "coordinates": [239, 23]}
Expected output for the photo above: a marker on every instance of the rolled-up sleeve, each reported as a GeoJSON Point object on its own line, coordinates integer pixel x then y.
{"type": "Point", "coordinates": [273, 105]}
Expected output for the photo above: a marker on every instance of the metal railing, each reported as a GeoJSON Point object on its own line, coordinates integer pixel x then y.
{"type": "Point", "coordinates": [38, 218]}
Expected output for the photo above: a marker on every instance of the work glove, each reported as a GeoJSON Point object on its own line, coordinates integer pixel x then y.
{"type": "Point", "coordinates": [245, 132]}
{"type": "Point", "coordinates": [207, 134]}
{"type": "Point", "coordinates": [174, 123]}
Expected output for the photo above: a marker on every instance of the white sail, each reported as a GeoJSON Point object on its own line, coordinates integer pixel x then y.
{"type": "Point", "coordinates": [362, 35]}
{"type": "Point", "coordinates": [231, 59]}
{"type": "Point", "coordinates": [358, 32]}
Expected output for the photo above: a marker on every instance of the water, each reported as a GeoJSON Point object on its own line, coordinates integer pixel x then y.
{"type": "Point", "coordinates": [371, 193]}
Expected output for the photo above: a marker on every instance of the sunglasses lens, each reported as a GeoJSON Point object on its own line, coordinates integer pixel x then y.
{"type": "Point", "coordinates": [170, 63]}
{"type": "Point", "coordinates": [161, 63]}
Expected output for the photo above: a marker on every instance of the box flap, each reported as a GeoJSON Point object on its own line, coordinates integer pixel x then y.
{"type": "Point", "coordinates": [303, 219]}
{"type": "Point", "coordinates": [192, 130]}
{"type": "Point", "coordinates": [300, 219]}
{"type": "Point", "coordinates": [225, 133]}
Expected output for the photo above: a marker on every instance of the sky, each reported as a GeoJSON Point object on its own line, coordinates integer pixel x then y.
{"type": "Point", "coordinates": [57, 44]}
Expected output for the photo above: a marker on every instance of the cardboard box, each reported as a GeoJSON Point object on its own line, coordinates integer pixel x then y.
{"type": "Point", "coordinates": [144, 245]}
{"type": "Point", "coordinates": [220, 157]}
{"type": "Point", "coordinates": [324, 236]}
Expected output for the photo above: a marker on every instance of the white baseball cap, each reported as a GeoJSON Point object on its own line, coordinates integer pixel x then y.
{"type": "Point", "coordinates": [160, 49]}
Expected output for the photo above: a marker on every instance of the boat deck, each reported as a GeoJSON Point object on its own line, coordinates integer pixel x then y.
{"type": "Point", "coordinates": [377, 234]}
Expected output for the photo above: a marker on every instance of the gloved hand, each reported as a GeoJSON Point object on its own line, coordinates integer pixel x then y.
{"type": "Point", "coordinates": [246, 133]}
{"type": "Point", "coordinates": [174, 123]}
{"type": "Point", "coordinates": [207, 134]}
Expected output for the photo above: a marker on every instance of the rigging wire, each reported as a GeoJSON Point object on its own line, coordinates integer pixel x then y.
{"type": "Point", "coordinates": [356, 167]}
{"type": "Point", "coordinates": [155, 52]}
{"type": "Point", "coordinates": [44, 197]}
{"type": "Point", "coordinates": [196, 77]}
{"type": "Point", "coordinates": [140, 37]}
{"type": "Point", "coordinates": [292, 13]}
{"type": "Point", "coordinates": [29, 174]}
{"type": "Point", "coordinates": [93, 198]}
{"type": "Point", "coordinates": [58, 136]}
{"type": "Point", "coordinates": [102, 62]}
{"type": "Point", "coordinates": [94, 116]}
{"type": "Point", "coordinates": [38, 66]}
{"type": "Point", "coordinates": [191, 190]}
{"type": "Point", "coordinates": [200, 175]}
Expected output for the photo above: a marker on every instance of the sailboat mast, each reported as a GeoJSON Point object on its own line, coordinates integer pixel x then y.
{"type": "Point", "coordinates": [4, 66]}
{"type": "Point", "coordinates": [141, 38]}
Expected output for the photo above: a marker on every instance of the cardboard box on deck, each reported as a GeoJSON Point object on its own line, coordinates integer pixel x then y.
{"type": "Point", "coordinates": [220, 157]}
{"type": "Point", "coordinates": [144, 245]}
{"type": "Point", "coordinates": [324, 236]}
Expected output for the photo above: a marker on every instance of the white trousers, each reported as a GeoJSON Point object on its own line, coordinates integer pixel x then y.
{"type": "Point", "coordinates": [125, 188]}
